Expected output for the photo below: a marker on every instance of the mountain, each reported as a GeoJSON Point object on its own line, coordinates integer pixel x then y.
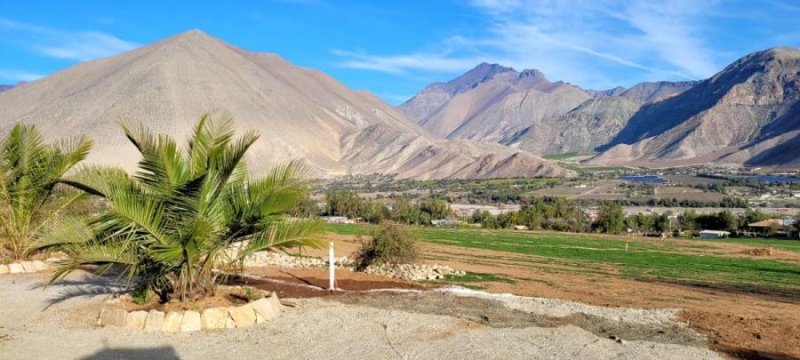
{"type": "Point", "coordinates": [301, 113]}
{"type": "Point", "coordinates": [5, 87]}
{"type": "Point", "coordinates": [749, 113]}
{"type": "Point", "coordinates": [491, 103]}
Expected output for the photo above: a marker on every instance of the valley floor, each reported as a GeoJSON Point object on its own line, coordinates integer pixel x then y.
{"type": "Point", "coordinates": [746, 306]}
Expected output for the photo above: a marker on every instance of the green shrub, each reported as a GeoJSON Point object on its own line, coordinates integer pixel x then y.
{"type": "Point", "coordinates": [389, 244]}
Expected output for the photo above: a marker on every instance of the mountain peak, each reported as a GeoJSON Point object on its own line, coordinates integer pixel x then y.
{"type": "Point", "coordinates": [193, 37]}
{"type": "Point", "coordinates": [191, 34]}
{"type": "Point", "coordinates": [479, 74]}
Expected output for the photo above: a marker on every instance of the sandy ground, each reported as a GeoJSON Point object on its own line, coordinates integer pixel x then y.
{"type": "Point", "coordinates": [57, 323]}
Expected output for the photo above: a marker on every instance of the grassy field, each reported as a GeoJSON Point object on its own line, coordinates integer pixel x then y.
{"type": "Point", "coordinates": [778, 244]}
{"type": "Point", "coordinates": [673, 260]}
{"type": "Point", "coordinates": [564, 156]}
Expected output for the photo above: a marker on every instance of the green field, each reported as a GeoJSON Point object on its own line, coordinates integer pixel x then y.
{"type": "Point", "coordinates": [782, 244]}
{"type": "Point", "coordinates": [673, 260]}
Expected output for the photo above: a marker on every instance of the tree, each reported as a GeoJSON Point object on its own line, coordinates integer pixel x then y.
{"type": "Point", "coordinates": [176, 220]}
{"type": "Point", "coordinates": [438, 209]}
{"type": "Point", "coordinates": [30, 198]}
{"type": "Point", "coordinates": [611, 219]}
{"type": "Point", "coordinates": [728, 220]}
{"type": "Point", "coordinates": [389, 244]}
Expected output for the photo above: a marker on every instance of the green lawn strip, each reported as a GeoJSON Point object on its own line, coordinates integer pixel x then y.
{"type": "Point", "coordinates": [639, 261]}
{"type": "Point", "coordinates": [471, 277]}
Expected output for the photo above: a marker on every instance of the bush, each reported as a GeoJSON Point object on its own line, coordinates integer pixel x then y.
{"type": "Point", "coordinates": [389, 244]}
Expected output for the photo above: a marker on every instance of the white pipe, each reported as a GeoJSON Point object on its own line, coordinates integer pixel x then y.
{"type": "Point", "coordinates": [332, 267]}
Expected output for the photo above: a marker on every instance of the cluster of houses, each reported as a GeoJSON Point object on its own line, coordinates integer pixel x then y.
{"type": "Point", "coordinates": [765, 228]}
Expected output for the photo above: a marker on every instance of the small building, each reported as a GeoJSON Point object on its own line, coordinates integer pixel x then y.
{"type": "Point", "coordinates": [771, 227]}
{"type": "Point", "coordinates": [337, 220]}
{"type": "Point", "coordinates": [444, 222]}
{"type": "Point", "coordinates": [714, 234]}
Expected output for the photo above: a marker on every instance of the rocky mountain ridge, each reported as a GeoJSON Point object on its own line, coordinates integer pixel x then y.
{"type": "Point", "coordinates": [745, 115]}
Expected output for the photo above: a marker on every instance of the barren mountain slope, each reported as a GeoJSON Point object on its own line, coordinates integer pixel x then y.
{"type": "Point", "coordinates": [435, 95]}
{"type": "Point", "coordinates": [648, 92]}
{"type": "Point", "coordinates": [590, 125]}
{"type": "Point", "coordinates": [502, 106]}
{"type": "Point", "coordinates": [746, 110]}
{"type": "Point", "coordinates": [300, 113]}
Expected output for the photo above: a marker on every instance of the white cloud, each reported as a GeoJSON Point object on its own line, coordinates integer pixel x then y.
{"type": "Point", "coordinates": [61, 44]}
{"type": "Point", "coordinates": [15, 76]}
{"type": "Point", "coordinates": [400, 64]}
{"type": "Point", "coordinates": [572, 40]}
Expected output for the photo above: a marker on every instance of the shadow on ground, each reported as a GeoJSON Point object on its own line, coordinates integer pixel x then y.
{"type": "Point", "coordinates": [157, 353]}
{"type": "Point", "coordinates": [86, 287]}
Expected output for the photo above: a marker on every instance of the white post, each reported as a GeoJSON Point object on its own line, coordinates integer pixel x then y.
{"type": "Point", "coordinates": [332, 267]}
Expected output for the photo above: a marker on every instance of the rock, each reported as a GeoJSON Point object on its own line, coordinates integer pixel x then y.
{"type": "Point", "coordinates": [40, 265]}
{"type": "Point", "coordinates": [229, 324]}
{"type": "Point", "coordinates": [191, 321]}
{"type": "Point", "coordinates": [154, 321]}
{"type": "Point", "coordinates": [214, 318]}
{"type": "Point", "coordinates": [136, 320]}
{"type": "Point", "coordinates": [110, 316]}
{"type": "Point", "coordinates": [4, 269]}
{"type": "Point", "coordinates": [243, 316]}
{"type": "Point", "coordinates": [28, 267]}
{"type": "Point", "coordinates": [172, 322]}
{"type": "Point", "coordinates": [276, 303]}
{"type": "Point", "coordinates": [265, 309]}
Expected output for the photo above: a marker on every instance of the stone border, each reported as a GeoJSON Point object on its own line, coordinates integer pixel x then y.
{"type": "Point", "coordinates": [412, 272]}
{"type": "Point", "coordinates": [27, 267]}
{"type": "Point", "coordinates": [234, 317]}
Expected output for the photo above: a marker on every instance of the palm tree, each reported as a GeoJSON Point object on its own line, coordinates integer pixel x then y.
{"type": "Point", "coordinates": [173, 223]}
{"type": "Point", "coordinates": [30, 197]}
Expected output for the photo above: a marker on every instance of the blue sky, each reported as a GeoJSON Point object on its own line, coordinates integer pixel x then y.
{"type": "Point", "coordinates": [394, 48]}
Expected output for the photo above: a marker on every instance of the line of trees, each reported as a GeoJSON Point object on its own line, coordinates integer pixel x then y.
{"type": "Point", "coordinates": [541, 213]}
{"type": "Point", "coordinates": [348, 203]}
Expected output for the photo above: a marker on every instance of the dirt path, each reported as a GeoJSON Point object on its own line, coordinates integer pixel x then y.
{"type": "Point", "coordinates": [745, 322]}
{"type": "Point", "coordinates": [58, 323]}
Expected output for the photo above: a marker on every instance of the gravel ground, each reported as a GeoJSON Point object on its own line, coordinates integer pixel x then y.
{"type": "Point", "coordinates": [57, 323]}
{"type": "Point", "coordinates": [561, 308]}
